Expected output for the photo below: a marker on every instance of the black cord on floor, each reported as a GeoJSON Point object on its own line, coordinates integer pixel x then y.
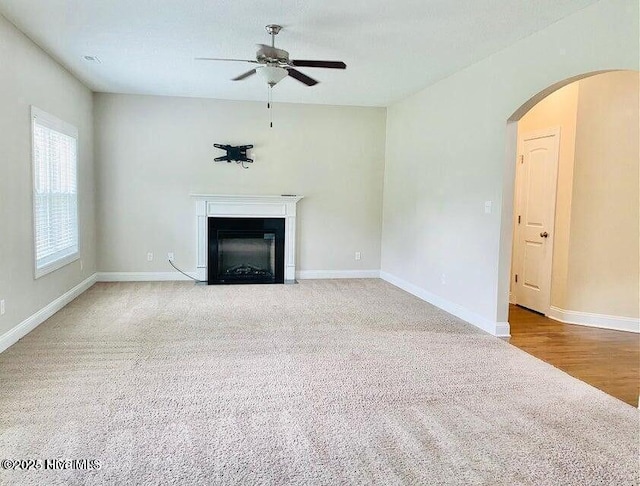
{"type": "Point", "coordinates": [186, 274]}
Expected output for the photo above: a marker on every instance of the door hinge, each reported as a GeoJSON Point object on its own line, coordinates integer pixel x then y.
{"type": "Point", "coordinates": [519, 218]}
{"type": "Point", "coordinates": [522, 159]}
{"type": "Point", "coordinates": [516, 278]}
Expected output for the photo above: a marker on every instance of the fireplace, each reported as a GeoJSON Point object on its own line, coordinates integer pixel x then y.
{"type": "Point", "coordinates": [246, 250]}
{"type": "Point", "coordinates": [245, 207]}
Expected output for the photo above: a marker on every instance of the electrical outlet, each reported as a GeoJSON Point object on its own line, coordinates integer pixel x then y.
{"type": "Point", "coordinates": [1, 307]}
{"type": "Point", "coordinates": [358, 255]}
{"type": "Point", "coordinates": [149, 257]}
{"type": "Point", "coordinates": [487, 207]}
{"type": "Point", "coordinates": [171, 256]}
{"type": "Point", "coordinates": [443, 279]}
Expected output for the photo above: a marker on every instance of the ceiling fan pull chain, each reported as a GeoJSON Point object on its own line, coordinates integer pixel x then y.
{"type": "Point", "coordinates": [270, 107]}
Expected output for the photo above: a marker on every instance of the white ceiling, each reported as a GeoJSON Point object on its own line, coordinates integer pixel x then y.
{"type": "Point", "coordinates": [392, 48]}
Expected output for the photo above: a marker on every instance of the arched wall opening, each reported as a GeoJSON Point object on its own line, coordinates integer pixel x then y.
{"type": "Point", "coordinates": [448, 188]}
{"type": "Point", "coordinates": [507, 221]}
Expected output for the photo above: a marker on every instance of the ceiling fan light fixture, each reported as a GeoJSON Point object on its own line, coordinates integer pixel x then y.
{"type": "Point", "coordinates": [272, 74]}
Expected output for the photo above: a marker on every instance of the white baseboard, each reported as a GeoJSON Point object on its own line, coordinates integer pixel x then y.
{"type": "Point", "coordinates": [502, 329]}
{"type": "Point", "coordinates": [177, 276]}
{"type": "Point", "coordinates": [499, 329]}
{"type": "Point", "coordinates": [141, 276]}
{"type": "Point", "coordinates": [30, 323]}
{"type": "Point", "coordinates": [320, 274]}
{"type": "Point", "coordinates": [629, 324]}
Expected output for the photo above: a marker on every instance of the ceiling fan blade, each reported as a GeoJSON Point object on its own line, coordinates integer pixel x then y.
{"type": "Point", "coordinates": [303, 78]}
{"type": "Point", "coordinates": [320, 64]}
{"type": "Point", "coordinates": [245, 75]}
{"type": "Point", "coordinates": [219, 59]}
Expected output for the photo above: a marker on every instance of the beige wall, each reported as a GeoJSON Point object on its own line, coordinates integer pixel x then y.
{"type": "Point", "coordinates": [558, 110]}
{"type": "Point", "coordinates": [29, 77]}
{"type": "Point", "coordinates": [155, 151]}
{"type": "Point", "coordinates": [446, 156]}
{"type": "Point", "coordinates": [603, 271]}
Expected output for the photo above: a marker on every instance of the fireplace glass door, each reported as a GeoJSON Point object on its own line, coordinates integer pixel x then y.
{"type": "Point", "coordinates": [246, 250]}
{"type": "Point", "coordinates": [246, 255]}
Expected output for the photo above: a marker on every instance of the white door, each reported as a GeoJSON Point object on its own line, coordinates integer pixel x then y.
{"type": "Point", "coordinates": [536, 181]}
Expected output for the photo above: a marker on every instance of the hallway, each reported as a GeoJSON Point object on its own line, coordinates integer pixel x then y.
{"type": "Point", "coordinates": [608, 360]}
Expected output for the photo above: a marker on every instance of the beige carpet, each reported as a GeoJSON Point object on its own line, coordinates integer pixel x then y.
{"type": "Point", "coordinates": [325, 382]}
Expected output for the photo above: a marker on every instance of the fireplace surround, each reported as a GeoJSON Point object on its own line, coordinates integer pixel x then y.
{"type": "Point", "coordinates": [230, 207]}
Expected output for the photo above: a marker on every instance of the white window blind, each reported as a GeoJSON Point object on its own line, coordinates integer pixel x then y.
{"type": "Point", "coordinates": [55, 191]}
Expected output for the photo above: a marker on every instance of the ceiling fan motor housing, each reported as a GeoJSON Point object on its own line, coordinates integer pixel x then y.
{"type": "Point", "coordinates": [271, 55]}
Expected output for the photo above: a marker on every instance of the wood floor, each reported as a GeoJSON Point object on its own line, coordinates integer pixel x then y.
{"type": "Point", "coordinates": [608, 360]}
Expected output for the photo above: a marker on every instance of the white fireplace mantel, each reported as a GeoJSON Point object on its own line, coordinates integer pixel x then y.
{"type": "Point", "coordinates": [233, 206]}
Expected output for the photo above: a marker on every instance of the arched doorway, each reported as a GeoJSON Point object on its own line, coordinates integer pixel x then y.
{"type": "Point", "coordinates": [596, 119]}
{"type": "Point", "coordinates": [507, 222]}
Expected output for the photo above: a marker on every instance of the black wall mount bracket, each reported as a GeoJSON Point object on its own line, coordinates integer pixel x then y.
{"type": "Point", "coordinates": [234, 154]}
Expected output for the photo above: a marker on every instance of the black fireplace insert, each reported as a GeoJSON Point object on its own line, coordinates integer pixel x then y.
{"type": "Point", "coordinates": [246, 250]}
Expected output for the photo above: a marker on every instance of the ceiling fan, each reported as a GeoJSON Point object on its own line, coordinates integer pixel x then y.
{"type": "Point", "coordinates": [275, 65]}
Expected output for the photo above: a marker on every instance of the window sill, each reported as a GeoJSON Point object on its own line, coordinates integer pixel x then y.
{"type": "Point", "coordinates": [52, 267]}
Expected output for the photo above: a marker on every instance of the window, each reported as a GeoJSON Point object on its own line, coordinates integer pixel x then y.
{"type": "Point", "coordinates": [55, 192]}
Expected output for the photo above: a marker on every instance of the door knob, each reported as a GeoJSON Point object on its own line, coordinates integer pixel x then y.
{"type": "Point", "coordinates": [544, 235]}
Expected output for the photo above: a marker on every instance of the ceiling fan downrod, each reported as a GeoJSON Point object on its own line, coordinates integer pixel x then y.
{"type": "Point", "coordinates": [272, 30]}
